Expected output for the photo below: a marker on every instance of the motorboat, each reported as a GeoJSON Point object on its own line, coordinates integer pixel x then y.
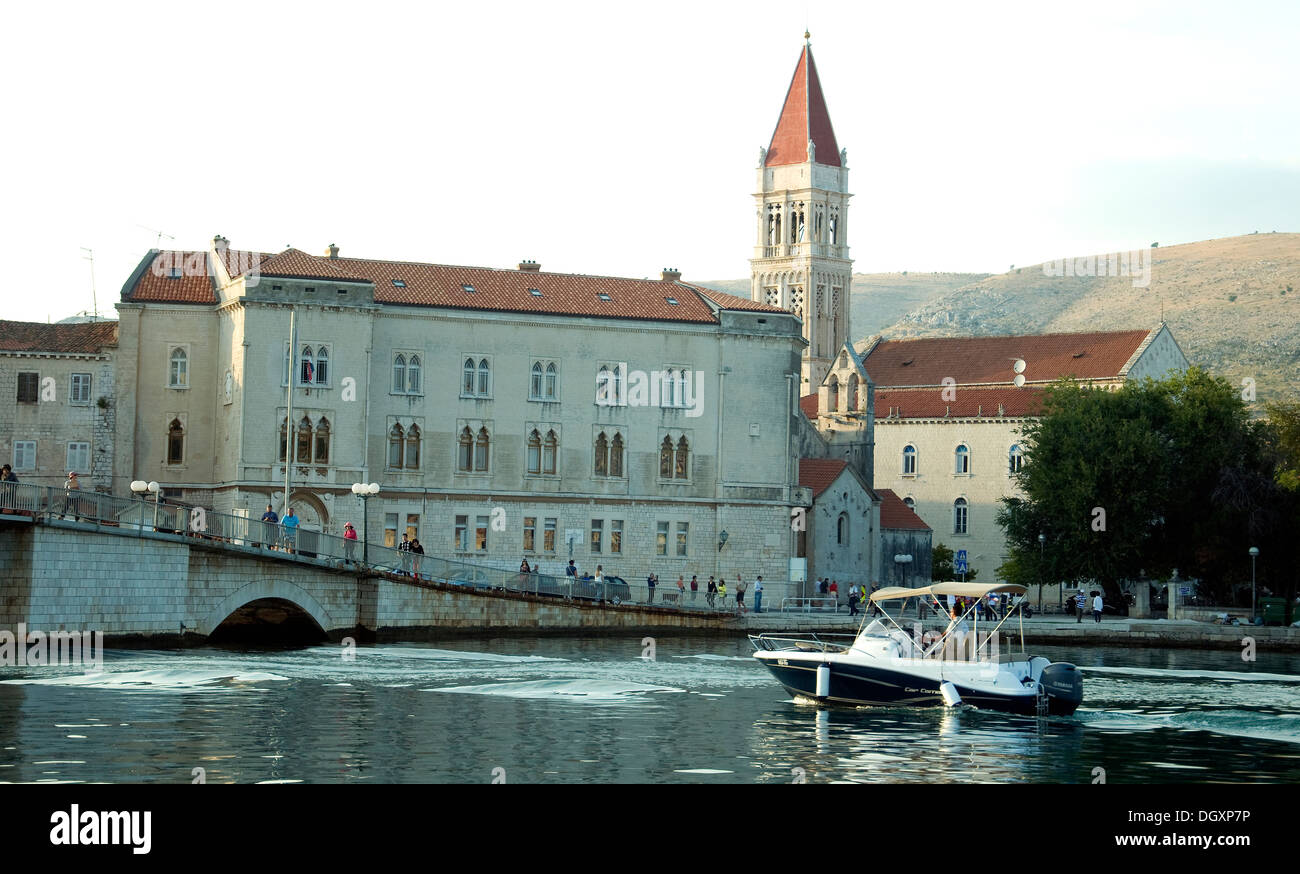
{"type": "Point", "coordinates": [952, 662]}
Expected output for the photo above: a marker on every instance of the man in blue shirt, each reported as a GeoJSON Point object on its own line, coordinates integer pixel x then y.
{"type": "Point", "coordinates": [270, 522]}
{"type": "Point", "coordinates": [290, 523]}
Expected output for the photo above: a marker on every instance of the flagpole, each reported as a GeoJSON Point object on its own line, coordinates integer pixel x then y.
{"type": "Point", "coordinates": [290, 433]}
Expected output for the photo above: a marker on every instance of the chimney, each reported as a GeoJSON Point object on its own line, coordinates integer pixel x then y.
{"type": "Point", "coordinates": [220, 242]}
{"type": "Point", "coordinates": [672, 274]}
{"type": "Point", "coordinates": [530, 266]}
{"type": "Point", "coordinates": [332, 252]}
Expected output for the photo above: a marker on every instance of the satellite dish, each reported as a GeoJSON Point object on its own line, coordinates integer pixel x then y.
{"type": "Point", "coordinates": [1019, 380]}
{"type": "Point", "coordinates": [1019, 365]}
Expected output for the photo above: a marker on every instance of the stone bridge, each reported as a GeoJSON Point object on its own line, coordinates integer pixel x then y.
{"type": "Point", "coordinates": [169, 588]}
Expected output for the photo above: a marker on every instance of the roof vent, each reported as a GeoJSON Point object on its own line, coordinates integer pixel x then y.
{"type": "Point", "coordinates": [535, 292]}
{"type": "Point", "coordinates": [908, 361]}
{"type": "Point", "coordinates": [468, 288]}
{"type": "Point", "coordinates": [332, 252]}
{"type": "Point", "coordinates": [671, 274]}
{"type": "Point", "coordinates": [603, 296]}
{"type": "Point", "coordinates": [530, 266]}
{"type": "Point", "coordinates": [1077, 355]}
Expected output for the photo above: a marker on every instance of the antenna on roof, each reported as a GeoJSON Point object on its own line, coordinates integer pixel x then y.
{"type": "Point", "coordinates": [157, 239]}
{"type": "Point", "coordinates": [94, 301]}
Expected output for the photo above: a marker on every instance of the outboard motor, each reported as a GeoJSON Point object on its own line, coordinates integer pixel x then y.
{"type": "Point", "coordinates": [1063, 683]}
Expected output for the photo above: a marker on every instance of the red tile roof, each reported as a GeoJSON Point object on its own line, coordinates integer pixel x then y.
{"type": "Point", "coordinates": [809, 405]}
{"type": "Point", "coordinates": [818, 473]}
{"type": "Point", "coordinates": [83, 337]}
{"type": "Point", "coordinates": [733, 302]}
{"type": "Point", "coordinates": [896, 514]}
{"type": "Point", "coordinates": [192, 282]}
{"type": "Point", "coordinates": [983, 360]}
{"type": "Point", "coordinates": [804, 117]}
{"type": "Point", "coordinates": [929, 403]}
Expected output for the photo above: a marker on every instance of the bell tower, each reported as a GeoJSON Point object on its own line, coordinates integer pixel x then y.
{"type": "Point", "coordinates": [801, 257]}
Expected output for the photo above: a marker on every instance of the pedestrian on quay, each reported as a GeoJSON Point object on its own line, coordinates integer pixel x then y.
{"type": "Point", "coordinates": [271, 525]}
{"type": "Point", "coordinates": [994, 604]}
{"type": "Point", "coordinates": [722, 593]}
{"type": "Point", "coordinates": [758, 594]}
{"type": "Point", "coordinates": [1080, 604]}
{"type": "Point", "coordinates": [290, 525]}
{"type": "Point", "coordinates": [71, 502]}
{"type": "Point", "coordinates": [1097, 607]}
{"type": "Point", "coordinates": [404, 554]}
{"type": "Point", "coordinates": [651, 581]}
{"type": "Point", "coordinates": [681, 589]}
{"type": "Point", "coordinates": [853, 599]}
{"type": "Point", "coordinates": [350, 543]}
{"type": "Point", "coordinates": [695, 587]}
{"type": "Point", "coordinates": [740, 594]}
{"type": "Point", "coordinates": [711, 593]}
{"type": "Point", "coordinates": [834, 592]}
{"type": "Point", "coordinates": [416, 551]}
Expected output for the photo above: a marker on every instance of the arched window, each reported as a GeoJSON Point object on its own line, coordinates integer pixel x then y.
{"type": "Point", "coordinates": [911, 503]}
{"type": "Point", "coordinates": [602, 455]}
{"type": "Point", "coordinates": [616, 456]}
{"type": "Point", "coordinates": [303, 451]}
{"type": "Point", "coordinates": [465, 451]}
{"type": "Point", "coordinates": [322, 366]}
{"type": "Point", "coordinates": [534, 452]}
{"type": "Point", "coordinates": [288, 366]}
{"type": "Point", "coordinates": [667, 389]}
{"type": "Point", "coordinates": [482, 454]}
{"type": "Point", "coordinates": [306, 367]}
{"type": "Point", "coordinates": [833, 394]}
{"type": "Point", "coordinates": [484, 379]}
{"type": "Point", "coordinates": [959, 516]}
{"type": "Point", "coordinates": [175, 442]}
{"type": "Point", "coordinates": [962, 458]}
{"type": "Point", "coordinates": [413, 375]}
{"type": "Point", "coordinates": [909, 460]}
{"type": "Point", "coordinates": [666, 458]}
{"type": "Point", "coordinates": [413, 448]}
{"type": "Point", "coordinates": [396, 439]}
{"type": "Point", "coordinates": [284, 437]}
{"type": "Point", "coordinates": [1015, 458]}
{"type": "Point", "coordinates": [550, 449]}
{"type": "Point", "coordinates": [842, 530]}
{"type": "Point", "coordinates": [682, 467]}
{"type": "Point", "coordinates": [535, 385]}
{"type": "Point", "coordinates": [399, 373]}
{"type": "Point", "coordinates": [853, 393]}
{"type": "Point", "coordinates": [467, 386]}
{"type": "Point", "coordinates": [323, 441]}
{"type": "Point", "coordinates": [552, 375]}
{"type": "Point", "coordinates": [180, 369]}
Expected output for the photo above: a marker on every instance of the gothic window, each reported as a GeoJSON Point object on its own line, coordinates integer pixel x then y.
{"type": "Point", "coordinates": [413, 375]}
{"type": "Point", "coordinates": [535, 383]}
{"type": "Point", "coordinates": [284, 437]}
{"type": "Point", "coordinates": [396, 441]}
{"type": "Point", "coordinates": [1016, 458]}
{"type": "Point", "coordinates": [609, 386]}
{"type": "Point", "coordinates": [322, 366]}
{"type": "Point", "coordinates": [413, 448]}
{"type": "Point", "coordinates": [833, 394]}
{"type": "Point", "coordinates": [534, 464]}
{"type": "Point", "coordinates": [909, 460]}
{"type": "Point", "coordinates": [835, 226]}
{"type": "Point", "coordinates": [175, 442]}
{"type": "Point", "coordinates": [959, 517]}
{"type": "Point", "coordinates": [481, 450]}
{"type": "Point", "coordinates": [616, 456]}
{"type": "Point", "coordinates": [842, 530]}
{"type": "Point", "coordinates": [399, 373]}
{"type": "Point", "coordinates": [796, 300]}
{"type": "Point", "coordinates": [602, 455]}
{"type": "Point", "coordinates": [465, 451]}
{"type": "Point", "coordinates": [773, 296]}
{"type": "Point", "coordinates": [962, 457]}
{"type": "Point", "coordinates": [853, 392]}
{"type": "Point", "coordinates": [322, 455]}
{"type": "Point", "coordinates": [484, 378]}
{"type": "Point", "coordinates": [179, 375]}
{"type": "Point", "coordinates": [306, 367]}
{"type": "Point", "coordinates": [303, 443]}
{"type": "Point", "coordinates": [666, 458]}
{"type": "Point", "coordinates": [467, 387]}
{"type": "Point", "coordinates": [667, 387]}
{"type": "Point", "coordinates": [552, 377]}
{"type": "Point", "coordinates": [682, 468]}
{"type": "Point", "coordinates": [550, 449]}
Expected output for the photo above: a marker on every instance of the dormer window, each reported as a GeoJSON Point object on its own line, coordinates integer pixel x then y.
{"type": "Point", "coordinates": [535, 292]}
{"type": "Point", "coordinates": [671, 300]}
{"type": "Point", "coordinates": [468, 288]}
{"type": "Point", "coordinates": [399, 283]}
{"type": "Point", "coordinates": [603, 296]}
{"type": "Point", "coordinates": [175, 273]}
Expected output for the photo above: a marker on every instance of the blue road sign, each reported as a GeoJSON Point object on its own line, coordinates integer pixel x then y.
{"type": "Point", "coordinates": [961, 556]}
{"type": "Point", "coordinates": [961, 566]}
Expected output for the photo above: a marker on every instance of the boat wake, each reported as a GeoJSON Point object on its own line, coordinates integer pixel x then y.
{"type": "Point", "coordinates": [587, 691]}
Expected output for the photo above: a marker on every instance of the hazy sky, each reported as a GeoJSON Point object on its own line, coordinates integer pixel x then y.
{"type": "Point", "coordinates": [619, 139]}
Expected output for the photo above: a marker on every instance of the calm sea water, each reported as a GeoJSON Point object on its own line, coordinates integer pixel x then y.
{"type": "Point", "coordinates": [552, 710]}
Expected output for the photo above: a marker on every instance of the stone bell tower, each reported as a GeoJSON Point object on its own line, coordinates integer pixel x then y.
{"type": "Point", "coordinates": [801, 258]}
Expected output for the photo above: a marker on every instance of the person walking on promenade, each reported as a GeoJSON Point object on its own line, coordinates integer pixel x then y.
{"type": "Point", "coordinates": [1080, 604]}
{"type": "Point", "coordinates": [853, 599]}
{"type": "Point", "coordinates": [740, 594]}
{"type": "Point", "coordinates": [711, 593]}
{"type": "Point", "coordinates": [722, 593]}
{"type": "Point", "coordinates": [350, 543]}
{"type": "Point", "coordinates": [271, 525]}
{"type": "Point", "coordinates": [416, 551]}
{"type": "Point", "coordinates": [834, 592]}
{"type": "Point", "coordinates": [758, 594]}
{"type": "Point", "coordinates": [681, 589]}
{"type": "Point", "coordinates": [695, 587]}
{"type": "Point", "coordinates": [71, 503]}
{"type": "Point", "coordinates": [1097, 607]}
{"type": "Point", "coordinates": [651, 581]}
{"type": "Point", "coordinates": [290, 525]}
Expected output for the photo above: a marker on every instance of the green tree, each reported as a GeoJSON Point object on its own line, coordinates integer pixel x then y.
{"type": "Point", "coordinates": [942, 564]}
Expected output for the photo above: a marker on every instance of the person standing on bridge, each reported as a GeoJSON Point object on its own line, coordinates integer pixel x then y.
{"type": "Point", "coordinates": [758, 594]}
{"type": "Point", "coordinates": [271, 525]}
{"type": "Point", "coordinates": [350, 543]}
{"type": "Point", "coordinates": [650, 582]}
{"type": "Point", "coordinates": [681, 589]}
{"type": "Point", "coordinates": [740, 594]}
{"type": "Point", "coordinates": [695, 587]}
{"type": "Point", "coordinates": [71, 503]}
{"type": "Point", "coordinates": [416, 551]}
{"type": "Point", "coordinates": [722, 593]}
{"type": "Point", "coordinates": [404, 550]}
{"type": "Point", "coordinates": [290, 523]}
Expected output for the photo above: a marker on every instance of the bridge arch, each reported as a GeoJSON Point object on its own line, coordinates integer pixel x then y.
{"type": "Point", "coordinates": [269, 590]}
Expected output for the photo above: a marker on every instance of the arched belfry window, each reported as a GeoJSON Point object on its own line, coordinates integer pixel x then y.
{"type": "Point", "coordinates": [833, 394]}
{"type": "Point", "coordinates": [175, 442]}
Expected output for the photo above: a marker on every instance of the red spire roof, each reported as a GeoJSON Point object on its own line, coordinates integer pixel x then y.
{"type": "Point", "coordinates": [804, 117]}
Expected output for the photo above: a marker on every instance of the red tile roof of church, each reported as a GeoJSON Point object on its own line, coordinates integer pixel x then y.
{"type": "Point", "coordinates": [896, 514]}
{"type": "Point", "coordinates": [804, 117]}
{"type": "Point", "coordinates": [73, 338]}
{"type": "Point", "coordinates": [961, 402]}
{"type": "Point", "coordinates": [818, 473]}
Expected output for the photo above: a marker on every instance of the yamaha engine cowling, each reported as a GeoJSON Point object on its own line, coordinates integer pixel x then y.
{"type": "Point", "coordinates": [1063, 683]}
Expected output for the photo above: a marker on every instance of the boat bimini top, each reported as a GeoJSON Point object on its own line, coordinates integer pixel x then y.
{"type": "Point", "coordinates": [958, 590]}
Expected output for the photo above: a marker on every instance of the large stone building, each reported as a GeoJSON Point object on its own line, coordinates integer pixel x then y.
{"type": "Point", "coordinates": [950, 412]}
{"type": "Point", "coordinates": [504, 413]}
{"type": "Point", "coordinates": [60, 382]}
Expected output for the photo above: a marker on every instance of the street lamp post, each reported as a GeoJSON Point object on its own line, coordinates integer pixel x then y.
{"type": "Point", "coordinates": [1042, 540]}
{"type": "Point", "coordinates": [364, 491]}
{"type": "Point", "coordinates": [1254, 552]}
{"type": "Point", "coordinates": [141, 488]}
